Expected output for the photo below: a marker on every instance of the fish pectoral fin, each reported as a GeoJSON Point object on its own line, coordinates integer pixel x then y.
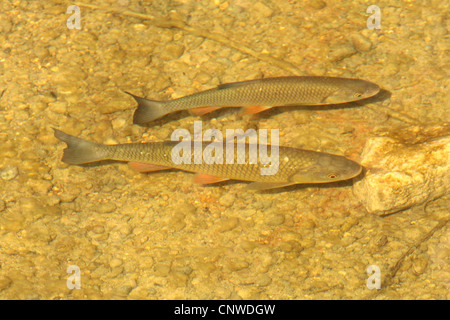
{"type": "Point", "coordinates": [201, 178]}
{"type": "Point", "coordinates": [199, 111]}
{"type": "Point", "coordinates": [146, 167]}
{"type": "Point", "coordinates": [254, 109]}
{"type": "Point", "coordinates": [259, 186]}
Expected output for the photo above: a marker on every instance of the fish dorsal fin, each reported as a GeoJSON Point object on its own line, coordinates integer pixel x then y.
{"type": "Point", "coordinates": [260, 186]}
{"type": "Point", "coordinates": [235, 84]}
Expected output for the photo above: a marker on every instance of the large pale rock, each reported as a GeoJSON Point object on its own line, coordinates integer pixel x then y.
{"type": "Point", "coordinates": [401, 175]}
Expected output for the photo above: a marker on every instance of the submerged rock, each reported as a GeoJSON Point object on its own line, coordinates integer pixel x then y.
{"type": "Point", "coordinates": [400, 175]}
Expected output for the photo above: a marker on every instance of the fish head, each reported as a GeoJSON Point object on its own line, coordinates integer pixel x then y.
{"type": "Point", "coordinates": [351, 90]}
{"type": "Point", "coordinates": [328, 168]}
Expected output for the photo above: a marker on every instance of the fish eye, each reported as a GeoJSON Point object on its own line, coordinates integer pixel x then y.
{"type": "Point", "coordinates": [357, 94]}
{"type": "Point", "coordinates": [332, 175]}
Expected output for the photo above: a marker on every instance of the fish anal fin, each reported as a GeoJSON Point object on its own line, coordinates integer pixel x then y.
{"type": "Point", "coordinates": [255, 109]}
{"type": "Point", "coordinates": [201, 178]}
{"type": "Point", "coordinates": [259, 186]}
{"type": "Point", "coordinates": [146, 167]}
{"type": "Point", "coordinates": [199, 111]}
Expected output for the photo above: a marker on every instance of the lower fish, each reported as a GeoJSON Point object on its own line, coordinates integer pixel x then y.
{"type": "Point", "coordinates": [259, 95]}
{"type": "Point", "coordinates": [293, 166]}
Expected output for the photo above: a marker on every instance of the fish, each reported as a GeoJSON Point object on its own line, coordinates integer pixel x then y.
{"type": "Point", "coordinates": [295, 166]}
{"type": "Point", "coordinates": [259, 95]}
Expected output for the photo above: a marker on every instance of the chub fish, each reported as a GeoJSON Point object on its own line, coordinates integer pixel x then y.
{"type": "Point", "coordinates": [259, 95]}
{"type": "Point", "coordinates": [295, 166]}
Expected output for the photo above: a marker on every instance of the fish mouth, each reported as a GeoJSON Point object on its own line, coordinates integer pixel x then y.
{"type": "Point", "coordinates": [372, 90]}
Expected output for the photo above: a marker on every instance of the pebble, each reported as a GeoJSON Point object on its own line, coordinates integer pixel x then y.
{"type": "Point", "coordinates": [123, 291]}
{"type": "Point", "coordinates": [227, 200]}
{"type": "Point", "coordinates": [58, 107]}
{"type": "Point", "coordinates": [262, 9]}
{"type": "Point", "coordinates": [162, 269]}
{"type": "Point", "coordinates": [106, 207]}
{"type": "Point", "coordinates": [419, 265]}
{"type": "Point", "coordinates": [115, 262]}
{"type": "Point", "coordinates": [360, 42]}
{"type": "Point", "coordinates": [5, 283]}
{"type": "Point", "coordinates": [235, 265]}
{"type": "Point", "coordinates": [172, 51]}
{"type": "Point", "coordinates": [227, 224]}
{"type": "Point", "coordinates": [341, 52]}
{"type": "Point", "coordinates": [317, 4]}
{"type": "Point", "coordinates": [274, 218]}
{"type": "Point", "coordinates": [9, 173]}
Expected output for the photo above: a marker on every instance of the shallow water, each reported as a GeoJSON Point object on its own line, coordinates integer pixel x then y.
{"type": "Point", "coordinates": [159, 236]}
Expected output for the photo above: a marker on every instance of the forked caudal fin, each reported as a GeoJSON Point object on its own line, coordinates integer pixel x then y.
{"type": "Point", "coordinates": [80, 151]}
{"type": "Point", "coordinates": [147, 110]}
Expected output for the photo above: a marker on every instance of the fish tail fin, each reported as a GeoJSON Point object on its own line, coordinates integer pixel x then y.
{"type": "Point", "coordinates": [147, 110]}
{"type": "Point", "coordinates": [80, 151]}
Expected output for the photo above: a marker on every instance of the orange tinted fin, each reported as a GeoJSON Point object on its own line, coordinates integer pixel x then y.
{"type": "Point", "coordinates": [201, 178]}
{"type": "Point", "coordinates": [203, 110]}
{"type": "Point", "coordinates": [146, 167]}
{"type": "Point", "coordinates": [255, 109]}
{"type": "Point", "coordinates": [260, 186]}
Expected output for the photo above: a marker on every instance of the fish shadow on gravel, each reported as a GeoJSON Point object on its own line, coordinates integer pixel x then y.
{"type": "Point", "coordinates": [337, 184]}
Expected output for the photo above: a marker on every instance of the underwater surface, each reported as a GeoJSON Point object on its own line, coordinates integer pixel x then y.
{"type": "Point", "coordinates": [121, 234]}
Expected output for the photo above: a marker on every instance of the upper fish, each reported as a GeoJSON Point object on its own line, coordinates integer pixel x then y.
{"type": "Point", "coordinates": [294, 165]}
{"type": "Point", "coordinates": [261, 94]}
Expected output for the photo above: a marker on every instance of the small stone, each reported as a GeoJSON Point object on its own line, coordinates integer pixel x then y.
{"type": "Point", "coordinates": [53, 200]}
{"type": "Point", "coordinates": [235, 265]}
{"type": "Point", "coordinates": [227, 200]}
{"type": "Point", "coordinates": [248, 245]}
{"type": "Point", "coordinates": [58, 107]}
{"type": "Point", "coordinates": [9, 173]}
{"type": "Point", "coordinates": [360, 42]}
{"type": "Point", "coordinates": [262, 9]}
{"type": "Point", "coordinates": [341, 52]}
{"type": "Point", "coordinates": [115, 262]}
{"type": "Point", "coordinates": [114, 102]}
{"type": "Point", "coordinates": [317, 4]}
{"type": "Point", "coordinates": [107, 207]}
{"type": "Point", "coordinates": [67, 197]}
{"type": "Point", "coordinates": [227, 224]}
{"type": "Point", "coordinates": [118, 123]}
{"type": "Point", "coordinates": [203, 77]}
{"type": "Point", "coordinates": [5, 282]}
{"type": "Point", "coordinates": [162, 269]}
{"type": "Point", "coordinates": [123, 291]}
{"type": "Point", "coordinates": [172, 51]}
{"type": "Point", "coordinates": [419, 265]}
{"type": "Point", "coordinates": [274, 219]}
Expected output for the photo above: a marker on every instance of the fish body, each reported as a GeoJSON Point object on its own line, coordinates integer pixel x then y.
{"type": "Point", "coordinates": [294, 165]}
{"type": "Point", "coordinates": [265, 93]}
